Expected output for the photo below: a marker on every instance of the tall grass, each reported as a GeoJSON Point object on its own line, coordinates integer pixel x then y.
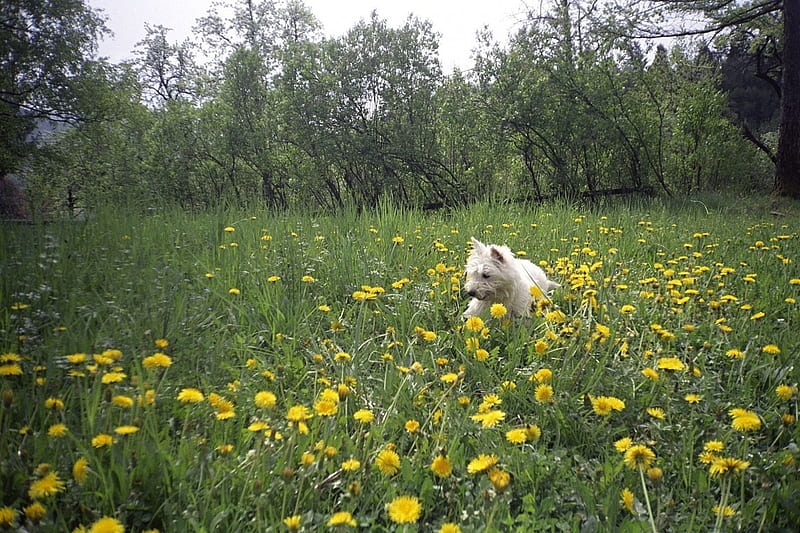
{"type": "Point", "coordinates": [676, 328]}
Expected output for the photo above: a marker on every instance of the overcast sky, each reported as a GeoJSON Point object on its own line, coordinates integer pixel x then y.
{"type": "Point", "coordinates": [456, 21]}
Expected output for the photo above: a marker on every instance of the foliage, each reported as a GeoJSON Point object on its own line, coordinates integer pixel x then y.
{"type": "Point", "coordinates": [45, 46]}
{"type": "Point", "coordinates": [279, 116]}
{"type": "Point", "coordinates": [676, 314]}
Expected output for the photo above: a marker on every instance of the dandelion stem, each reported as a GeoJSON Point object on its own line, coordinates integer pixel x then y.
{"type": "Point", "coordinates": [723, 502]}
{"type": "Point", "coordinates": [647, 500]}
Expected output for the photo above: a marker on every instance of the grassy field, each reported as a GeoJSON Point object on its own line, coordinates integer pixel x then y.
{"type": "Point", "coordinates": [257, 372]}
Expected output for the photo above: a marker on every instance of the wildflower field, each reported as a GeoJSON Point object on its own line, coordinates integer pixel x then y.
{"type": "Point", "coordinates": [259, 372]}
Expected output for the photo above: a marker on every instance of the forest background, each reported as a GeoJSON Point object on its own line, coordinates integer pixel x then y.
{"type": "Point", "coordinates": [259, 108]}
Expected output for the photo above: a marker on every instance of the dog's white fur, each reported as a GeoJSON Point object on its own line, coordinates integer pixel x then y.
{"type": "Point", "coordinates": [495, 275]}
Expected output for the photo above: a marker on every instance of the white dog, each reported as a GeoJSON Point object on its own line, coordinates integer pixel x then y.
{"type": "Point", "coordinates": [494, 275]}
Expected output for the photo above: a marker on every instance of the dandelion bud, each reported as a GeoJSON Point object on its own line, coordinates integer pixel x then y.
{"type": "Point", "coordinates": [655, 474]}
{"type": "Point", "coordinates": [8, 398]}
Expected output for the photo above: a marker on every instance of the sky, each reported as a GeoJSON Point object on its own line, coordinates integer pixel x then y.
{"type": "Point", "coordinates": [456, 21]}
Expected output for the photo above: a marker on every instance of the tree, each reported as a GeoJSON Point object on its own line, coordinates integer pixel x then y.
{"type": "Point", "coordinates": [377, 87]}
{"type": "Point", "coordinates": [45, 48]}
{"type": "Point", "coordinates": [167, 70]}
{"type": "Point", "coordinates": [787, 171]}
{"type": "Point", "coordinates": [96, 161]}
{"type": "Point", "coordinates": [758, 16]}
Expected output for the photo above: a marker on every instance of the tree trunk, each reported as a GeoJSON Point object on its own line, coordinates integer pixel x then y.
{"type": "Point", "coordinates": [787, 172]}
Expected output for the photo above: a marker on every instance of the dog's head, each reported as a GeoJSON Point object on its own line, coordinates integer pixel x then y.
{"type": "Point", "coordinates": [489, 273]}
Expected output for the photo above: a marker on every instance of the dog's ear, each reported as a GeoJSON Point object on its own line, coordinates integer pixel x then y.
{"type": "Point", "coordinates": [497, 255]}
{"type": "Point", "coordinates": [477, 245]}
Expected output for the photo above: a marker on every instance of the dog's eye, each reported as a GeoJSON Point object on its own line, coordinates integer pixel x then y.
{"type": "Point", "coordinates": [486, 276]}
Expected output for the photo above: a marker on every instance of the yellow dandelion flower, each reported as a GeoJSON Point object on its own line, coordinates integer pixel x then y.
{"type": "Point", "coordinates": [103, 440]}
{"type": "Point", "coordinates": [785, 392]}
{"type": "Point", "coordinates": [745, 420]}
{"type": "Point", "coordinates": [474, 324]}
{"type": "Point", "coordinates": [498, 310]}
{"type": "Point", "coordinates": [623, 444]}
{"type": "Point", "coordinates": [298, 413]}
{"type": "Point", "coordinates": [656, 412]}
{"type": "Point", "coordinates": [326, 408]}
{"type": "Point", "coordinates": [388, 462]}
{"type": "Point", "coordinates": [157, 360]}
{"type": "Point", "coordinates": [639, 456]}
{"type": "Point", "coordinates": [517, 436]}
{"type": "Point", "coordinates": [449, 527]}
{"type": "Point", "coordinates": [412, 426]}
{"type": "Point", "coordinates": [190, 396]}
{"type": "Point", "coordinates": [113, 354]}
{"type": "Point", "coordinates": [543, 393]}
{"type": "Point", "coordinates": [540, 346]}
{"type": "Point", "coordinates": [727, 465]}
{"type": "Point", "coordinates": [365, 416]}
{"type": "Point", "coordinates": [441, 466]}
{"type": "Point", "coordinates": [293, 522]}
{"type": "Point", "coordinates": [534, 432]}
{"type": "Point", "coordinates": [650, 374]}
{"type": "Point", "coordinates": [670, 363]}
{"type": "Point", "coordinates": [35, 511]}
{"type": "Point", "coordinates": [351, 465]}
{"type": "Point", "coordinates": [107, 525]}
{"type": "Point", "coordinates": [258, 425]}
{"type": "Point", "coordinates": [489, 418]}
{"type": "Point", "coordinates": [80, 470]}
{"type": "Point", "coordinates": [404, 510]}
{"type": "Point", "coordinates": [125, 430]}
{"type": "Point", "coordinates": [7, 516]}
{"type": "Point", "coordinates": [727, 511]}
{"type": "Point", "coordinates": [76, 358]}
{"type": "Point", "coordinates": [55, 404]}
{"type": "Point", "coordinates": [543, 375]}
{"type": "Point", "coordinates": [655, 474]}
{"type": "Point", "coordinates": [771, 349]}
{"type": "Point", "coordinates": [307, 458]}
{"type": "Point", "coordinates": [733, 353]}
{"type": "Point", "coordinates": [265, 400]}
{"type": "Point", "coordinates": [450, 377]}
{"type": "Point", "coordinates": [126, 402]}
{"type": "Point", "coordinates": [57, 431]}
{"type": "Point", "coordinates": [481, 463]}
{"type": "Point", "coordinates": [603, 405]}
{"type": "Point", "coordinates": [47, 485]}
{"type": "Point", "coordinates": [693, 398]}
{"type": "Point", "coordinates": [627, 500]}
{"type": "Point", "coordinates": [707, 457]}
{"type": "Point", "coordinates": [342, 518]}
{"type": "Point", "coordinates": [10, 369]}
{"type": "Point", "coordinates": [499, 478]}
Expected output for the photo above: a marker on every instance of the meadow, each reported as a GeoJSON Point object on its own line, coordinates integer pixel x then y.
{"type": "Point", "coordinates": [248, 371]}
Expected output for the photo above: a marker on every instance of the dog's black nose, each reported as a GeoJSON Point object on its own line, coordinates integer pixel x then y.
{"type": "Point", "coordinates": [471, 293]}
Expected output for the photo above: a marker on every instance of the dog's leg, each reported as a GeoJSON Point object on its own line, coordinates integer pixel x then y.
{"type": "Point", "coordinates": [475, 308]}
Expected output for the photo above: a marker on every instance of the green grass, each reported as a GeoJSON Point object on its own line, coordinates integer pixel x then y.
{"type": "Point", "coordinates": [642, 283]}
